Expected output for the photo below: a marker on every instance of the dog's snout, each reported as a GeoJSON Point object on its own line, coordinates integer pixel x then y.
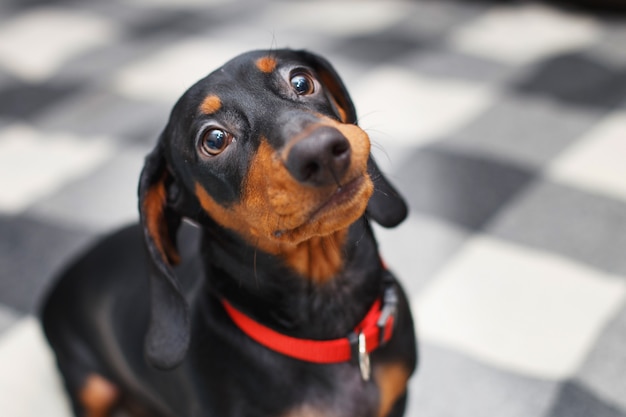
{"type": "Point", "coordinates": [321, 158]}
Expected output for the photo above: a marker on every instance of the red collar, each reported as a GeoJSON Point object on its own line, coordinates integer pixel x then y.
{"type": "Point", "coordinates": [372, 332]}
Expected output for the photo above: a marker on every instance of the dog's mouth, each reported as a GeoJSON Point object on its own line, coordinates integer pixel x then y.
{"type": "Point", "coordinates": [342, 195]}
{"type": "Point", "coordinates": [344, 202]}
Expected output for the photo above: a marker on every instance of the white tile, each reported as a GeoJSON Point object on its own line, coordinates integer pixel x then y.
{"type": "Point", "coordinates": [7, 317]}
{"type": "Point", "coordinates": [390, 157]}
{"type": "Point", "coordinates": [29, 381]}
{"type": "Point", "coordinates": [518, 309]}
{"type": "Point", "coordinates": [520, 34]}
{"type": "Point", "coordinates": [103, 201]}
{"type": "Point", "coordinates": [170, 72]}
{"type": "Point", "coordinates": [597, 162]}
{"type": "Point", "coordinates": [334, 18]}
{"type": "Point", "coordinates": [396, 105]}
{"type": "Point", "coordinates": [169, 4]}
{"type": "Point", "coordinates": [417, 248]}
{"type": "Point", "coordinates": [36, 43]}
{"type": "Point", "coordinates": [34, 164]}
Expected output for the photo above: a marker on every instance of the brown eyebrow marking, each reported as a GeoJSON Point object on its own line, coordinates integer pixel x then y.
{"type": "Point", "coordinates": [266, 64]}
{"type": "Point", "coordinates": [210, 104]}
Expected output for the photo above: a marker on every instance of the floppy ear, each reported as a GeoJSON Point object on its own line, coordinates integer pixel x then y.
{"type": "Point", "coordinates": [386, 206]}
{"type": "Point", "coordinates": [168, 333]}
{"type": "Point", "coordinates": [332, 83]}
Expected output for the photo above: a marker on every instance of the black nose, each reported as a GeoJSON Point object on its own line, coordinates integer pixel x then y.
{"type": "Point", "coordinates": [321, 158]}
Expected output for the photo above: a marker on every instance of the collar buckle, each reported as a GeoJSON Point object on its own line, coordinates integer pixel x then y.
{"type": "Point", "coordinates": [388, 315]}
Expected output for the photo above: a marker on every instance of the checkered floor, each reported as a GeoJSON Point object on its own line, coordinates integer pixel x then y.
{"type": "Point", "coordinates": [503, 124]}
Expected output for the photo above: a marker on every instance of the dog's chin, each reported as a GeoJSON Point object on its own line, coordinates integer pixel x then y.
{"type": "Point", "coordinates": [335, 213]}
{"type": "Point", "coordinates": [319, 217]}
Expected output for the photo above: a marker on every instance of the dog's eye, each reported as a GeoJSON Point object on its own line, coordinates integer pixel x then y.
{"type": "Point", "coordinates": [214, 141]}
{"type": "Point", "coordinates": [302, 84]}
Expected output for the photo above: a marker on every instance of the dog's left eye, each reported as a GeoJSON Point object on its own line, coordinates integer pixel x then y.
{"type": "Point", "coordinates": [302, 84]}
{"type": "Point", "coordinates": [214, 141]}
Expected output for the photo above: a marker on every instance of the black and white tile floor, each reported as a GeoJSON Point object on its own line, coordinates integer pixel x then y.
{"type": "Point", "coordinates": [504, 124]}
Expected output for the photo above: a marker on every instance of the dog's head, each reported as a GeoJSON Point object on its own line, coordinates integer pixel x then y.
{"type": "Point", "coordinates": [267, 147]}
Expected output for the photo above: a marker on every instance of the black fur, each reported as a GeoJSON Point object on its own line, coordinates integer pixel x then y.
{"type": "Point", "coordinates": [158, 332]}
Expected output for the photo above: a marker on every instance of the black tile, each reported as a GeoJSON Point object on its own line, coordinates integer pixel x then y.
{"type": "Point", "coordinates": [466, 190]}
{"type": "Point", "coordinates": [31, 252]}
{"type": "Point", "coordinates": [578, 224]}
{"type": "Point", "coordinates": [449, 64]}
{"type": "Point", "coordinates": [27, 4]}
{"type": "Point", "coordinates": [605, 366]}
{"type": "Point", "coordinates": [24, 101]}
{"type": "Point", "coordinates": [576, 79]}
{"type": "Point", "coordinates": [150, 23]}
{"type": "Point", "coordinates": [100, 112]}
{"type": "Point", "coordinates": [176, 21]}
{"type": "Point", "coordinates": [575, 400]}
{"type": "Point", "coordinates": [527, 130]}
{"type": "Point", "coordinates": [376, 48]}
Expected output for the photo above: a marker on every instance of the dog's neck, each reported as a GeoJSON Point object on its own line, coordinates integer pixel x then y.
{"type": "Point", "coordinates": [280, 293]}
{"type": "Point", "coordinates": [319, 258]}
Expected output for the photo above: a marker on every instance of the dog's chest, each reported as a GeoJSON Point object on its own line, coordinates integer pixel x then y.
{"type": "Point", "coordinates": [260, 383]}
{"type": "Point", "coordinates": [338, 392]}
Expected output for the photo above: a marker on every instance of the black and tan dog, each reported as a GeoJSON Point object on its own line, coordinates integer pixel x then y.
{"type": "Point", "coordinates": [275, 302]}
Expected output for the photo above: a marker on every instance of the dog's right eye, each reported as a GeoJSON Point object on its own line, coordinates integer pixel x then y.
{"type": "Point", "coordinates": [214, 141]}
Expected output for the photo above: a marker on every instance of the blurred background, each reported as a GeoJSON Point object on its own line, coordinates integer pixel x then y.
{"type": "Point", "coordinates": [504, 125]}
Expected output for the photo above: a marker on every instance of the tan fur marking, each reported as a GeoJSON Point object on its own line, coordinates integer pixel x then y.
{"type": "Point", "coordinates": [266, 64]}
{"type": "Point", "coordinates": [98, 396]}
{"type": "Point", "coordinates": [281, 216]}
{"type": "Point", "coordinates": [392, 379]}
{"type": "Point", "coordinates": [210, 104]}
{"type": "Point", "coordinates": [339, 99]}
{"type": "Point", "coordinates": [343, 116]}
{"type": "Point", "coordinates": [320, 257]}
{"type": "Point", "coordinates": [153, 206]}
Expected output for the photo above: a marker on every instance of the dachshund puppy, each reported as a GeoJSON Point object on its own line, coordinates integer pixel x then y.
{"type": "Point", "coordinates": [271, 298]}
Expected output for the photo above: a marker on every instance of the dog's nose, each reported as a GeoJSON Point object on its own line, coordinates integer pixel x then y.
{"type": "Point", "coordinates": [321, 158]}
